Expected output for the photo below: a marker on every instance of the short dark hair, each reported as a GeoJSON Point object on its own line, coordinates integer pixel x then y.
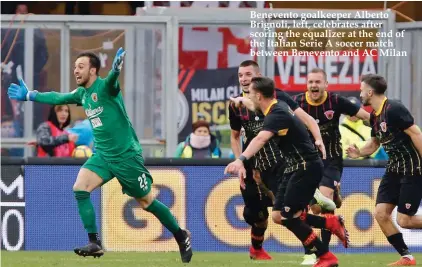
{"type": "Point", "coordinates": [248, 63]}
{"type": "Point", "coordinates": [264, 85]}
{"type": "Point", "coordinates": [94, 60]}
{"type": "Point", "coordinates": [376, 82]}
{"type": "Point", "coordinates": [319, 70]}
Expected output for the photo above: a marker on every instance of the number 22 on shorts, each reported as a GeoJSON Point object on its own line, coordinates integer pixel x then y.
{"type": "Point", "coordinates": [143, 182]}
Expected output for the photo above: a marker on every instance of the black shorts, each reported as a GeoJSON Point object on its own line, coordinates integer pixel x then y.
{"type": "Point", "coordinates": [297, 188]}
{"type": "Point", "coordinates": [333, 170]}
{"type": "Point", "coordinates": [403, 191]}
{"type": "Point", "coordinates": [253, 195]}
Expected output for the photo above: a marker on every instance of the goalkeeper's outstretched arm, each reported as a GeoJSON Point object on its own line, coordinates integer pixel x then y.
{"type": "Point", "coordinates": [54, 98]}
{"type": "Point", "coordinates": [22, 93]}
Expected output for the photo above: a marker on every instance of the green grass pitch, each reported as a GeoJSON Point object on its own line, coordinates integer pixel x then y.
{"type": "Point", "coordinates": [200, 259]}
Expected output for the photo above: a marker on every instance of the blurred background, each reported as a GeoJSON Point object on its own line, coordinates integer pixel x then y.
{"type": "Point", "coordinates": [206, 50]}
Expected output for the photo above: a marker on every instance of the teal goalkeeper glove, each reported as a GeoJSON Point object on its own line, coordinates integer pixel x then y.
{"type": "Point", "coordinates": [118, 60]}
{"type": "Point", "coordinates": [20, 92]}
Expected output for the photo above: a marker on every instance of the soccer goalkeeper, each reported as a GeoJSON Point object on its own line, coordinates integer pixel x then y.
{"type": "Point", "coordinates": [118, 152]}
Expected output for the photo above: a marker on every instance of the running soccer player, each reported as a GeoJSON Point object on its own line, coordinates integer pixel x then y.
{"type": "Point", "coordinates": [118, 153]}
{"type": "Point", "coordinates": [393, 126]}
{"type": "Point", "coordinates": [326, 108]}
{"type": "Point", "coordinates": [302, 173]}
{"type": "Point", "coordinates": [260, 183]}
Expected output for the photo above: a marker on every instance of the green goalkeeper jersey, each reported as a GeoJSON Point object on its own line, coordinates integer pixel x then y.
{"type": "Point", "coordinates": [114, 136]}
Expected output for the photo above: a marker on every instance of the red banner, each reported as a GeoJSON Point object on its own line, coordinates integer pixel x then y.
{"type": "Point", "coordinates": [225, 47]}
{"type": "Point", "coordinates": [343, 72]}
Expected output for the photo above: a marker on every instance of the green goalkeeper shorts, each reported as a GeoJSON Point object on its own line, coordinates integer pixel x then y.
{"type": "Point", "coordinates": [132, 175]}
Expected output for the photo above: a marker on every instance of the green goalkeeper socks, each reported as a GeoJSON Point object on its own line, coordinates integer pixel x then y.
{"type": "Point", "coordinates": [163, 214]}
{"type": "Point", "coordinates": [86, 210]}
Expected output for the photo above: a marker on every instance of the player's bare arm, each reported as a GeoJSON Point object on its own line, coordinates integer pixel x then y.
{"type": "Point", "coordinates": [313, 127]}
{"type": "Point", "coordinates": [416, 135]}
{"type": "Point", "coordinates": [21, 92]}
{"type": "Point", "coordinates": [255, 145]}
{"type": "Point", "coordinates": [243, 101]}
{"type": "Point", "coordinates": [235, 143]}
{"type": "Point", "coordinates": [363, 114]}
{"type": "Point", "coordinates": [368, 149]}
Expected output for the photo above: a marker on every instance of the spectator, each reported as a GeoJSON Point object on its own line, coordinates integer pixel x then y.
{"type": "Point", "coordinates": [52, 139]}
{"type": "Point", "coordinates": [21, 8]}
{"type": "Point", "coordinates": [200, 144]}
{"type": "Point", "coordinates": [8, 130]}
{"type": "Point", "coordinates": [354, 131]}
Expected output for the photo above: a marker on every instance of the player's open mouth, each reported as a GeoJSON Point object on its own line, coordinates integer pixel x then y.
{"type": "Point", "coordinates": [78, 79]}
{"type": "Point", "coordinates": [315, 92]}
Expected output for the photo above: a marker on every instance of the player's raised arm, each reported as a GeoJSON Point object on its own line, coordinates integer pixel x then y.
{"type": "Point", "coordinates": [351, 109]}
{"type": "Point", "coordinates": [22, 93]}
{"type": "Point", "coordinates": [111, 80]}
{"type": "Point", "coordinates": [243, 101]}
{"type": "Point", "coordinates": [363, 114]}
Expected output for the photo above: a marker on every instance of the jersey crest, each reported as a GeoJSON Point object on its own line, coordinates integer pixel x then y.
{"type": "Point", "coordinates": [383, 126]}
{"type": "Point", "coordinates": [94, 97]}
{"type": "Point", "coordinates": [329, 114]}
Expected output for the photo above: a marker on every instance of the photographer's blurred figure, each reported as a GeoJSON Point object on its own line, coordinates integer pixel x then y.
{"type": "Point", "coordinates": [200, 144]}
{"type": "Point", "coordinates": [354, 131]}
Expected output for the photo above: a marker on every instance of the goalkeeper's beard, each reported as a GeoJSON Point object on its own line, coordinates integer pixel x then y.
{"type": "Point", "coordinates": [83, 82]}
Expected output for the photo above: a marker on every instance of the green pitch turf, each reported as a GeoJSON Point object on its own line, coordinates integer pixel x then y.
{"type": "Point", "coordinates": [200, 259]}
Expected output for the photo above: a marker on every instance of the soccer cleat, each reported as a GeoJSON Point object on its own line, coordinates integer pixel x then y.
{"type": "Point", "coordinates": [323, 201]}
{"type": "Point", "coordinates": [327, 260]}
{"type": "Point", "coordinates": [335, 224]}
{"type": "Point", "coordinates": [309, 259]}
{"type": "Point", "coordinates": [338, 200]}
{"type": "Point", "coordinates": [404, 261]}
{"type": "Point", "coordinates": [185, 247]}
{"type": "Point", "coordinates": [93, 249]}
{"type": "Point", "coordinates": [259, 254]}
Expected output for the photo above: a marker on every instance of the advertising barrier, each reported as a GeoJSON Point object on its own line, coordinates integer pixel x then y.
{"type": "Point", "coordinates": [12, 208]}
{"type": "Point", "coordinates": [201, 198]}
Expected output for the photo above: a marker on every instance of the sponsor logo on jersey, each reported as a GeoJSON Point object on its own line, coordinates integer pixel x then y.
{"type": "Point", "coordinates": [93, 112]}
